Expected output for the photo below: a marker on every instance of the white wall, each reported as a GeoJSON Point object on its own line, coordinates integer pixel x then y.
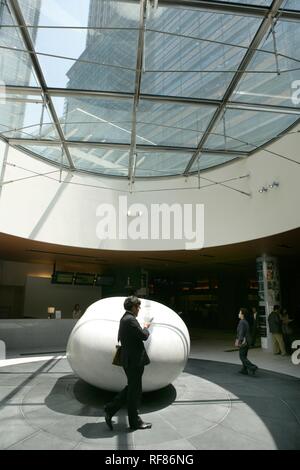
{"type": "Point", "coordinates": [64, 213]}
{"type": "Point", "coordinates": [41, 294]}
{"type": "Point", "coordinates": [29, 336]}
{"type": "Point", "coordinates": [15, 274]}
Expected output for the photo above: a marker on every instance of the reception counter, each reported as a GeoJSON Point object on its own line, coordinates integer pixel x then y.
{"type": "Point", "coordinates": [30, 335]}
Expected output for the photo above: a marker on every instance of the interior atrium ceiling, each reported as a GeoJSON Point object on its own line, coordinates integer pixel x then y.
{"type": "Point", "coordinates": [147, 88]}
{"type": "Point", "coordinates": [285, 246]}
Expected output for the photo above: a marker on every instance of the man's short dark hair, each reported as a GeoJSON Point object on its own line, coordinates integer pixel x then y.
{"type": "Point", "coordinates": [276, 307]}
{"type": "Point", "coordinates": [131, 301]}
{"type": "Point", "coordinates": [244, 311]}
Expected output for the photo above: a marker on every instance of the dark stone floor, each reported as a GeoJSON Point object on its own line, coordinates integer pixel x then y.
{"type": "Point", "coordinates": [43, 405]}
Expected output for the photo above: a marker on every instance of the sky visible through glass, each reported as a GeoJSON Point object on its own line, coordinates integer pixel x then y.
{"type": "Point", "coordinates": [188, 59]}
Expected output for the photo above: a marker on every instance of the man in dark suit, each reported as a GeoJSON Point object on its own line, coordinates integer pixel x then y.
{"type": "Point", "coordinates": [134, 358]}
{"type": "Point", "coordinates": [243, 341]}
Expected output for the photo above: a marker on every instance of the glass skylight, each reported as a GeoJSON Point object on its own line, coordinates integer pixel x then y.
{"type": "Point", "coordinates": [103, 87]}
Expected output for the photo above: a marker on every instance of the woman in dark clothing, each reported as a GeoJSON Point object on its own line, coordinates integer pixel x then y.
{"type": "Point", "coordinates": [243, 341]}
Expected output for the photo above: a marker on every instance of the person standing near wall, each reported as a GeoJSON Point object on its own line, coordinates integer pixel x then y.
{"type": "Point", "coordinates": [275, 326]}
{"type": "Point", "coordinates": [76, 314]}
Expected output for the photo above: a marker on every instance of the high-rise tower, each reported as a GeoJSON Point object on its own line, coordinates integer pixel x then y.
{"type": "Point", "coordinates": [101, 13]}
{"type": "Point", "coordinates": [15, 66]}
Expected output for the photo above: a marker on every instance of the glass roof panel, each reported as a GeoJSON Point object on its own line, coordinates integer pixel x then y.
{"type": "Point", "coordinates": [208, 160]}
{"type": "Point", "coordinates": [53, 153]}
{"type": "Point", "coordinates": [110, 49]}
{"type": "Point", "coordinates": [25, 117]}
{"type": "Point", "coordinates": [292, 5]}
{"type": "Point", "coordinates": [186, 54]}
{"type": "Point", "coordinates": [80, 13]}
{"type": "Point", "coordinates": [203, 25]}
{"type": "Point", "coordinates": [105, 161]}
{"type": "Point", "coordinates": [189, 54]}
{"type": "Point", "coordinates": [246, 130]}
{"type": "Point", "coordinates": [10, 38]}
{"type": "Point", "coordinates": [95, 119]}
{"type": "Point", "coordinates": [16, 69]}
{"type": "Point", "coordinates": [15, 65]}
{"type": "Point", "coordinates": [161, 164]}
{"type": "Point", "coordinates": [15, 62]}
{"type": "Point", "coordinates": [31, 10]}
{"type": "Point", "coordinates": [61, 73]}
{"type": "Point", "coordinates": [104, 54]}
{"type": "Point", "coordinates": [274, 88]}
{"type": "Point", "coordinates": [172, 124]}
{"type": "Point", "coordinates": [5, 16]}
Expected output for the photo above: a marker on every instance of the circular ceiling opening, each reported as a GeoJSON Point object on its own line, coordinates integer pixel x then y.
{"type": "Point", "coordinates": [145, 88]}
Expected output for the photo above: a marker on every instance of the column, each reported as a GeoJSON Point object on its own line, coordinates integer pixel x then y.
{"type": "Point", "coordinates": [269, 295]}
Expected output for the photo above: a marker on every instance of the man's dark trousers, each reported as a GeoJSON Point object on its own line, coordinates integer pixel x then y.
{"type": "Point", "coordinates": [131, 395]}
{"type": "Point", "coordinates": [243, 351]}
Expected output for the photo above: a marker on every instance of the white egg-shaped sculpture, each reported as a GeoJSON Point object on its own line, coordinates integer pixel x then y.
{"type": "Point", "coordinates": [93, 340]}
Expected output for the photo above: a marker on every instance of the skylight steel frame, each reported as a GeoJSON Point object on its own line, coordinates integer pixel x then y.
{"type": "Point", "coordinates": [62, 93]}
{"type": "Point", "coordinates": [136, 99]}
{"type": "Point", "coordinates": [121, 146]}
{"type": "Point", "coordinates": [266, 13]}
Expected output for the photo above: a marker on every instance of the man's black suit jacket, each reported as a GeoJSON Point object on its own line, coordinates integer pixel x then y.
{"type": "Point", "coordinates": [131, 336]}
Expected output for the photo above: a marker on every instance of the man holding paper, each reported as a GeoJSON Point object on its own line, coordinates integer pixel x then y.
{"type": "Point", "coordinates": [133, 358]}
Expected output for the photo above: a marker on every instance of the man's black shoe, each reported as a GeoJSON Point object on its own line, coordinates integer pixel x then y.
{"type": "Point", "coordinates": [245, 372]}
{"type": "Point", "coordinates": [108, 419]}
{"type": "Point", "coordinates": [141, 426]}
{"type": "Point", "coordinates": [253, 370]}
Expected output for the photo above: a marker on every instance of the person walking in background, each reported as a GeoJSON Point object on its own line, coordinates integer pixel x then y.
{"type": "Point", "coordinates": [243, 341]}
{"type": "Point", "coordinates": [133, 358]}
{"type": "Point", "coordinates": [76, 314]}
{"type": "Point", "coordinates": [254, 328]}
{"type": "Point", "coordinates": [275, 326]}
{"type": "Point", "coordinates": [287, 331]}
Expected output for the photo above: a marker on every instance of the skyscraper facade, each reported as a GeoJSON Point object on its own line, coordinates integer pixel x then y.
{"type": "Point", "coordinates": [100, 15]}
{"type": "Point", "coordinates": [15, 65]}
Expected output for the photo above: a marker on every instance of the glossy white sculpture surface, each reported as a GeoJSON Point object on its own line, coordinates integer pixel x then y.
{"type": "Point", "coordinates": [91, 345]}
